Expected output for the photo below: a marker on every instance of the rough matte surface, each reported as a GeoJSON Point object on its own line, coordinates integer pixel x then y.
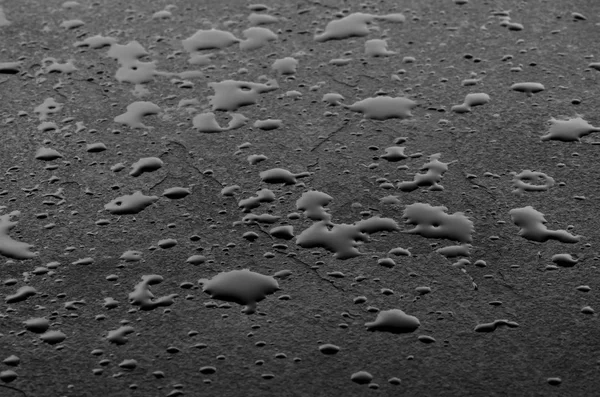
{"type": "Point", "coordinates": [479, 107]}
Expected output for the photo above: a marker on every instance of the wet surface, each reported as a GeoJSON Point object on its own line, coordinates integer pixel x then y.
{"type": "Point", "coordinates": [299, 198]}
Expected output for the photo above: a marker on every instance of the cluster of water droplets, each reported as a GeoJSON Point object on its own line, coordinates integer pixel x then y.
{"type": "Point", "coordinates": [288, 231]}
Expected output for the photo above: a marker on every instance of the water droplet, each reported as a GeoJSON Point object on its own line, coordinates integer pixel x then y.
{"type": "Point", "coordinates": [8, 375]}
{"type": "Point", "coordinates": [285, 232]}
{"type": "Point", "coordinates": [427, 339]}
{"type": "Point", "coordinates": [394, 154]}
{"type": "Point", "coordinates": [268, 124]}
{"type": "Point", "coordinates": [53, 337]}
{"type": "Point", "coordinates": [554, 381]}
{"type": "Point", "coordinates": [128, 364]}
{"type": "Point", "coordinates": [394, 321]}
{"type": "Point", "coordinates": [471, 100]}
{"type": "Point", "coordinates": [118, 336]}
{"type": "Point", "coordinates": [22, 294]}
{"type": "Point", "coordinates": [285, 66]}
{"type": "Point", "coordinates": [377, 48]}
{"type": "Point", "coordinates": [491, 327]}
{"type": "Point", "coordinates": [453, 251]}
{"type": "Point", "coordinates": [130, 204]}
{"type": "Point", "coordinates": [240, 286]}
{"type": "Point", "coordinates": [146, 164]}
{"type": "Point", "coordinates": [528, 88]}
{"type": "Point", "coordinates": [176, 193]}
{"type": "Point", "coordinates": [564, 260]}
{"type": "Point", "coordinates": [361, 377]}
{"type": "Point", "coordinates": [384, 107]}
{"type": "Point", "coordinates": [47, 154]}
{"type": "Point", "coordinates": [131, 256]}
{"type": "Point", "coordinates": [280, 175]}
{"type": "Point", "coordinates": [329, 349]}
{"type": "Point", "coordinates": [37, 325]}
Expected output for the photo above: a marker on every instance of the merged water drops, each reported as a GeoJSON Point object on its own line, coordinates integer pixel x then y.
{"type": "Point", "coordinates": [435, 222]}
{"type": "Point", "coordinates": [533, 226]}
{"type": "Point", "coordinates": [569, 130]}
{"type": "Point", "coordinates": [354, 25]}
{"type": "Point", "coordinates": [434, 171]}
{"type": "Point", "coordinates": [10, 247]}
{"type": "Point", "coordinates": [135, 112]}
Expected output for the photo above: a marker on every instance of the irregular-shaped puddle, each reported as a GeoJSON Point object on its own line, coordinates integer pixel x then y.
{"type": "Point", "coordinates": [434, 222]}
{"type": "Point", "coordinates": [231, 95]}
{"type": "Point", "coordinates": [313, 204]}
{"type": "Point", "coordinates": [434, 171]}
{"type": "Point", "coordinates": [8, 246]}
{"type": "Point", "coordinates": [532, 224]}
{"type": "Point", "coordinates": [207, 122]}
{"type": "Point", "coordinates": [135, 112]}
{"type": "Point", "coordinates": [571, 130]}
{"type": "Point", "coordinates": [280, 175]}
{"type": "Point", "coordinates": [144, 298]}
{"type": "Point", "coordinates": [353, 25]}
{"type": "Point", "coordinates": [343, 239]}
{"type": "Point", "coordinates": [131, 69]}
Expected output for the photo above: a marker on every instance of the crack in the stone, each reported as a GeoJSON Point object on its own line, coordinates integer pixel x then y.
{"type": "Point", "coordinates": [330, 282]}
{"type": "Point", "coordinates": [330, 135]}
{"type": "Point", "coordinates": [15, 389]}
{"type": "Point", "coordinates": [211, 178]}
